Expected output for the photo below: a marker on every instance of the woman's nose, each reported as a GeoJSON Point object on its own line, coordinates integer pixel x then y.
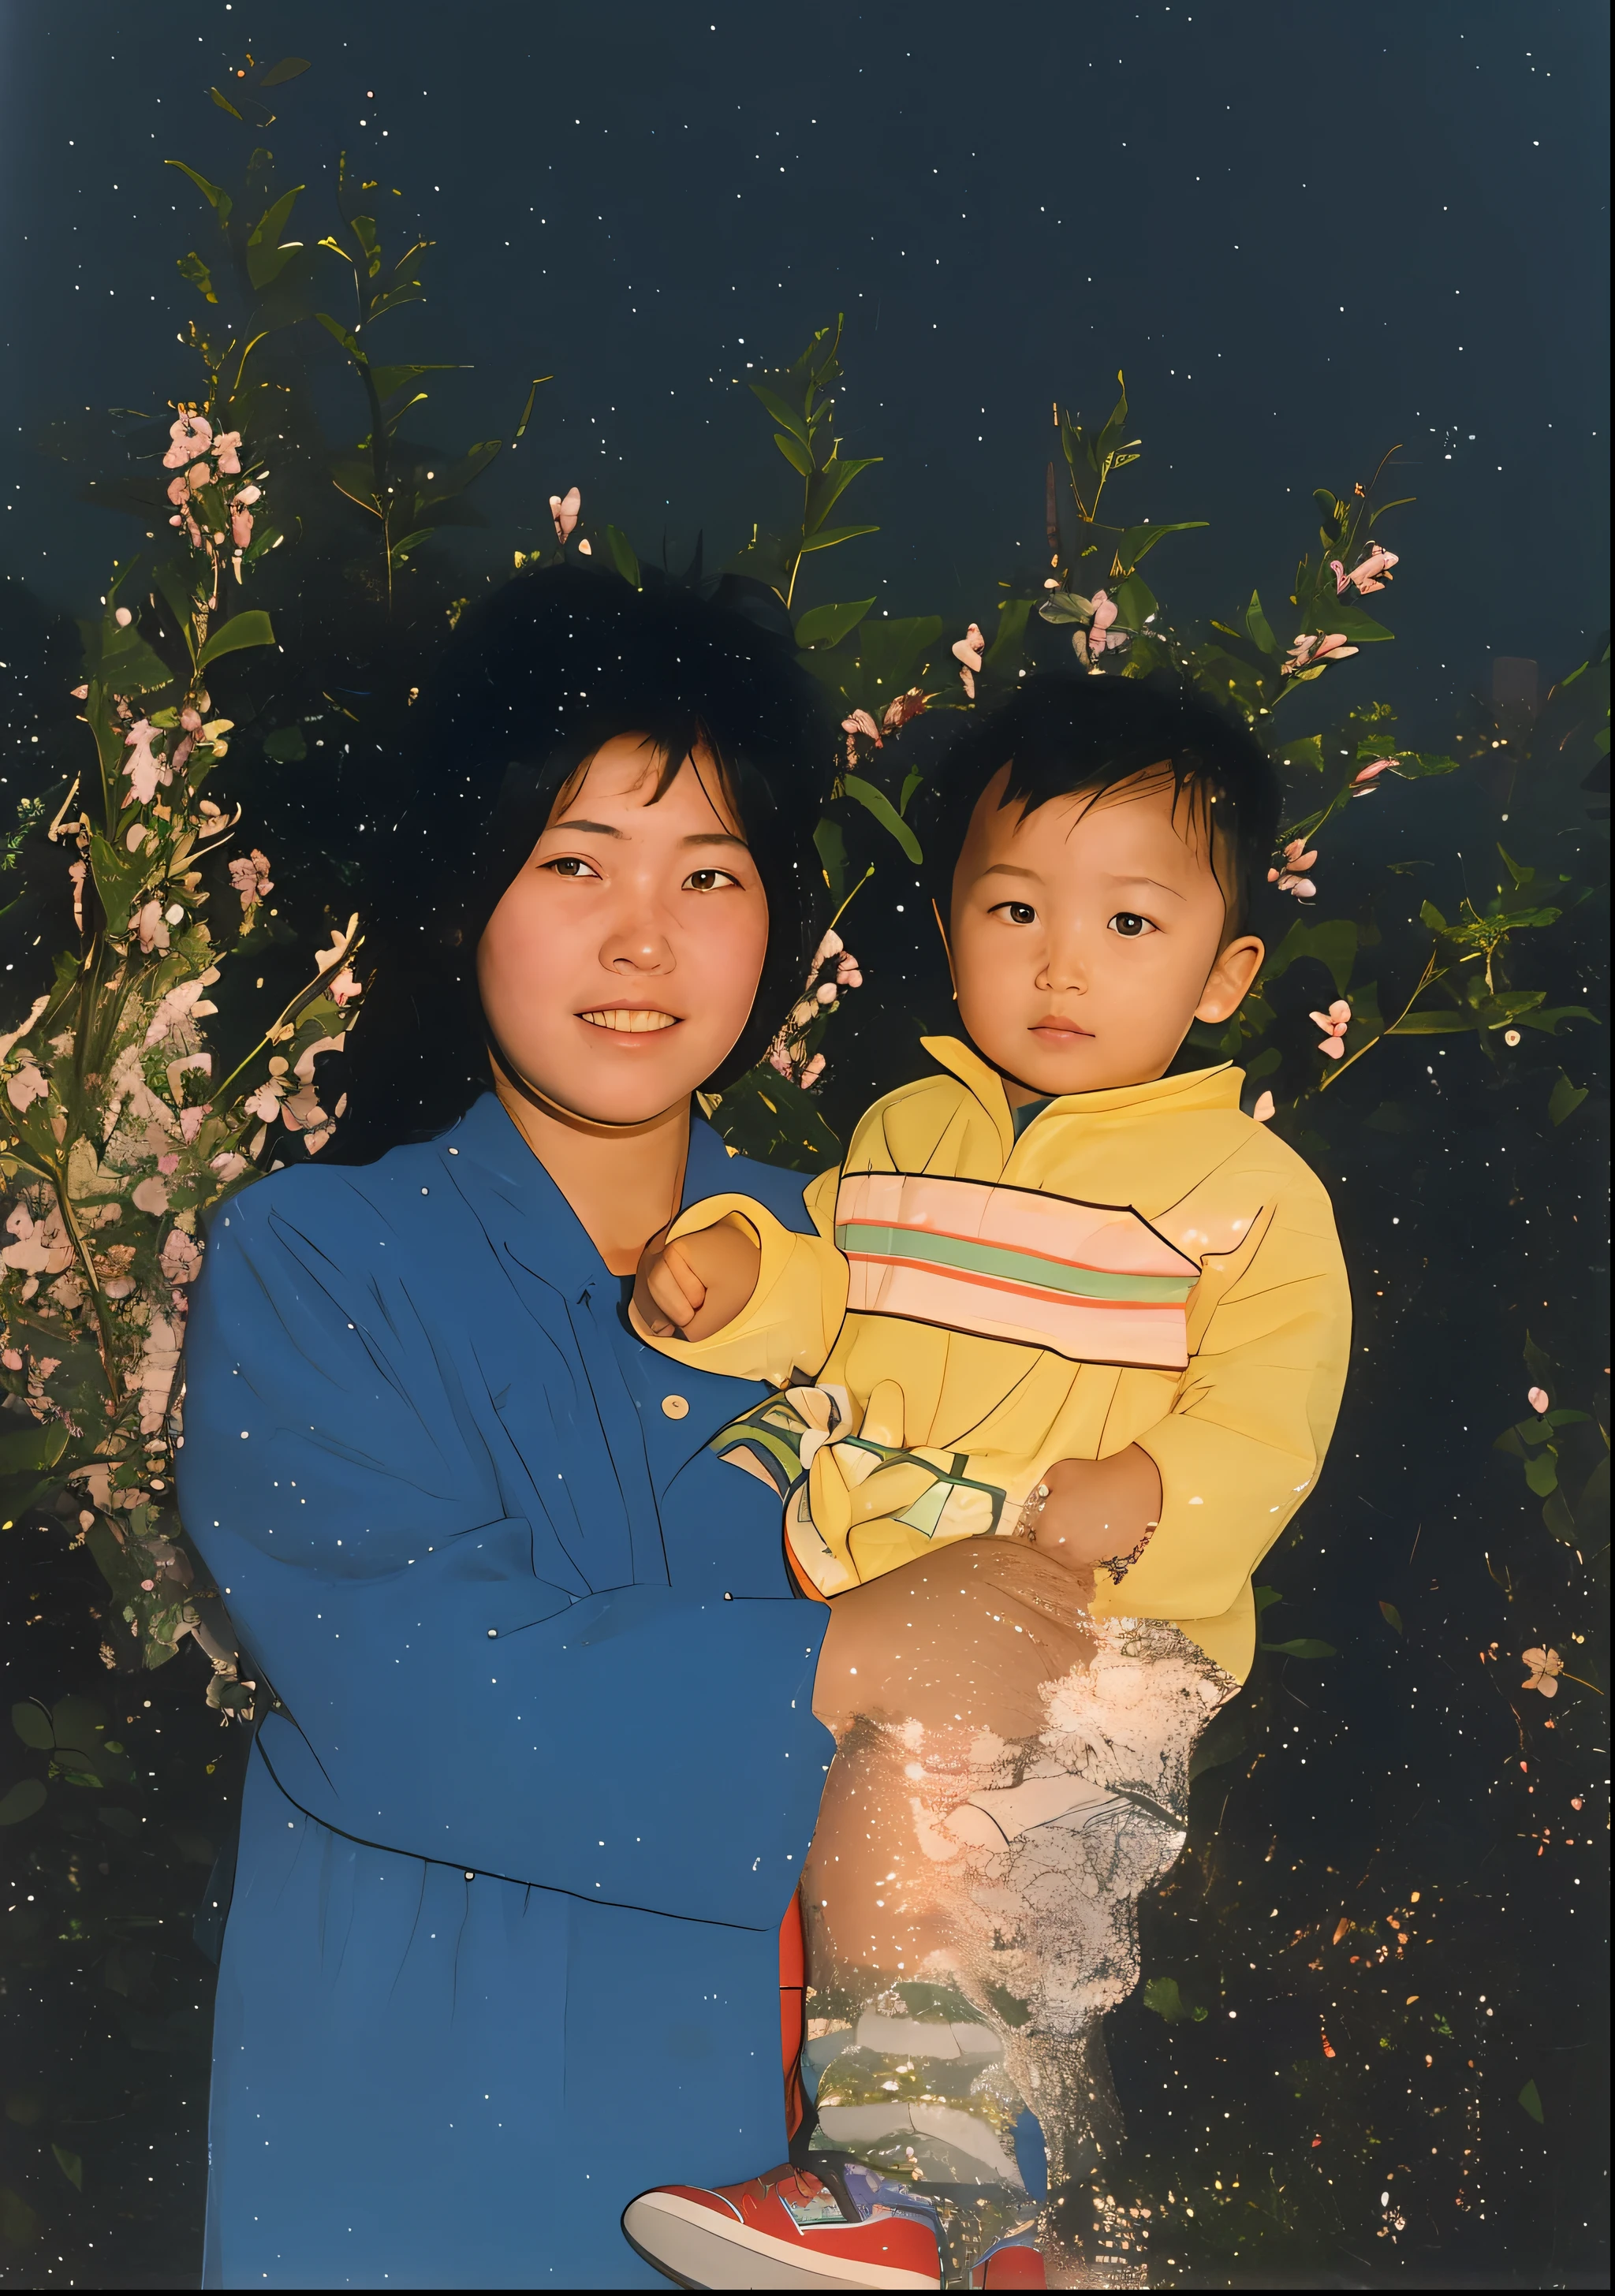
{"type": "Point", "coordinates": [638, 944]}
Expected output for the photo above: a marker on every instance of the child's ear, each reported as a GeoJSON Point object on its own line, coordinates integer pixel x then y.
{"type": "Point", "coordinates": [1230, 978]}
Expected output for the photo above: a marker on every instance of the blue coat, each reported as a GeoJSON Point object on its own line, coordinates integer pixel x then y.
{"type": "Point", "coordinates": [517, 1839]}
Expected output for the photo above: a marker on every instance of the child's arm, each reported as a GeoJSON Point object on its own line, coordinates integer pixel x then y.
{"type": "Point", "coordinates": [770, 1301]}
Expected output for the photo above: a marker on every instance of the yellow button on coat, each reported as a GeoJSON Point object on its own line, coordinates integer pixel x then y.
{"type": "Point", "coordinates": [675, 1406]}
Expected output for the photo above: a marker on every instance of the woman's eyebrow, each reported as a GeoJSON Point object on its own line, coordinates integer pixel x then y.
{"type": "Point", "coordinates": [599, 828]}
{"type": "Point", "coordinates": [716, 837]}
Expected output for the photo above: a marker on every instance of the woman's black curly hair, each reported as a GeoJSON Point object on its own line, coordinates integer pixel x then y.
{"type": "Point", "coordinates": [555, 664]}
{"type": "Point", "coordinates": [1074, 736]}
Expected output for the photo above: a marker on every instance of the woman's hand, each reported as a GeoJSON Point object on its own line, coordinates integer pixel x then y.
{"type": "Point", "coordinates": [695, 1286]}
{"type": "Point", "coordinates": [1096, 1510]}
{"type": "Point", "coordinates": [968, 1635]}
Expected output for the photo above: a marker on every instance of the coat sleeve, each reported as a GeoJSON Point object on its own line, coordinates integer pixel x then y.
{"type": "Point", "coordinates": [791, 1321]}
{"type": "Point", "coordinates": [447, 1684]}
{"type": "Point", "coordinates": [1245, 1436]}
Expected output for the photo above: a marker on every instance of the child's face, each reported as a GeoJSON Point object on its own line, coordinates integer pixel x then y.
{"type": "Point", "coordinates": [1086, 936]}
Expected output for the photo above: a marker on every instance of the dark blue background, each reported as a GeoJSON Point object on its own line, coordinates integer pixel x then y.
{"type": "Point", "coordinates": [1306, 234]}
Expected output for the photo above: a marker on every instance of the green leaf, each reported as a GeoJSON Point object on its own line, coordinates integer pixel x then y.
{"type": "Point", "coordinates": [33, 1725]}
{"type": "Point", "coordinates": [1437, 1023]}
{"type": "Point", "coordinates": [266, 259]}
{"type": "Point", "coordinates": [622, 555]}
{"type": "Point", "coordinates": [1431, 915]}
{"type": "Point", "coordinates": [828, 536]}
{"type": "Point", "coordinates": [191, 268]}
{"type": "Point", "coordinates": [1265, 1598]}
{"type": "Point", "coordinates": [784, 414]}
{"type": "Point", "coordinates": [1138, 541]}
{"type": "Point", "coordinates": [1257, 623]}
{"type": "Point", "coordinates": [1063, 606]}
{"type": "Point", "coordinates": [1333, 942]}
{"type": "Point", "coordinates": [24, 1799]}
{"type": "Point", "coordinates": [1304, 756]}
{"type": "Point", "coordinates": [1392, 1617]}
{"type": "Point", "coordinates": [1304, 1647]}
{"type": "Point", "coordinates": [69, 2163]}
{"type": "Point", "coordinates": [1548, 1017]}
{"type": "Point", "coordinates": [120, 659]}
{"type": "Point", "coordinates": [1357, 628]}
{"type": "Point", "coordinates": [876, 802]}
{"type": "Point", "coordinates": [892, 652]}
{"type": "Point", "coordinates": [1541, 1472]}
{"type": "Point", "coordinates": [218, 198]}
{"type": "Point", "coordinates": [337, 331]}
{"type": "Point", "coordinates": [1223, 1740]}
{"type": "Point", "coordinates": [288, 68]}
{"type": "Point", "coordinates": [797, 455]}
{"type": "Point", "coordinates": [1162, 1995]}
{"type": "Point", "coordinates": [832, 482]}
{"type": "Point", "coordinates": [224, 103]}
{"type": "Point", "coordinates": [1559, 1522]}
{"type": "Point", "coordinates": [832, 847]}
{"type": "Point", "coordinates": [1004, 655]}
{"type": "Point", "coordinates": [827, 625]}
{"type": "Point", "coordinates": [288, 745]}
{"type": "Point", "coordinates": [457, 476]}
{"type": "Point", "coordinates": [401, 549]}
{"type": "Point", "coordinates": [1532, 2102]}
{"type": "Point", "coordinates": [251, 628]}
{"type": "Point", "coordinates": [1135, 602]}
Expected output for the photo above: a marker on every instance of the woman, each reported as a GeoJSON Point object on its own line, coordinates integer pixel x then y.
{"type": "Point", "coordinates": [539, 1765]}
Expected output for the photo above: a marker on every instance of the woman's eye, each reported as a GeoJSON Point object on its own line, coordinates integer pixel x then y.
{"type": "Point", "coordinates": [570, 864]}
{"type": "Point", "coordinates": [708, 880]}
{"type": "Point", "coordinates": [1130, 925]}
{"type": "Point", "coordinates": [1018, 912]}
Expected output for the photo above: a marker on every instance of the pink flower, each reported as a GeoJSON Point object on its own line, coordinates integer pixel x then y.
{"type": "Point", "coordinates": [26, 1087]}
{"type": "Point", "coordinates": [814, 1070]}
{"type": "Point", "coordinates": [897, 714]}
{"type": "Point", "coordinates": [229, 1166]}
{"type": "Point", "coordinates": [344, 988]}
{"type": "Point", "coordinates": [152, 927]}
{"type": "Point", "coordinates": [122, 617]}
{"type": "Point", "coordinates": [565, 510]}
{"type": "Point", "coordinates": [1104, 614]}
{"type": "Point", "coordinates": [165, 1164]}
{"type": "Point", "coordinates": [1537, 1397]}
{"type": "Point", "coordinates": [779, 1058]}
{"type": "Point", "coordinates": [1365, 773]}
{"type": "Point", "coordinates": [192, 435]}
{"type": "Point", "coordinates": [250, 875]}
{"type": "Point", "coordinates": [1308, 652]}
{"type": "Point", "coordinates": [1292, 877]}
{"type": "Point", "coordinates": [11, 1359]}
{"type": "Point", "coordinates": [1545, 1665]}
{"type": "Point", "coordinates": [862, 723]}
{"type": "Point", "coordinates": [1265, 1109]}
{"type": "Point", "coordinates": [180, 1258]}
{"type": "Point", "coordinates": [76, 877]}
{"type": "Point", "coordinates": [227, 452]}
{"type": "Point", "coordinates": [144, 768]}
{"type": "Point", "coordinates": [1364, 578]}
{"type": "Point", "coordinates": [968, 652]}
{"type": "Point", "coordinates": [847, 973]}
{"type": "Point", "coordinates": [191, 720]}
{"type": "Point", "coordinates": [191, 1122]}
{"type": "Point", "coordinates": [1334, 1024]}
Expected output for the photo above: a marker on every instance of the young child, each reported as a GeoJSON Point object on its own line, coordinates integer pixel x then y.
{"type": "Point", "coordinates": [1054, 1295]}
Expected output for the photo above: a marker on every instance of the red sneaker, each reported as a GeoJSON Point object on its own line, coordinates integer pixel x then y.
{"type": "Point", "coordinates": [1016, 2264]}
{"type": "Point", "coordinates": [788, 2229]}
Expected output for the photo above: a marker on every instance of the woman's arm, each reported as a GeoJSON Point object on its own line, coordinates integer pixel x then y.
{"type": "Point", "coordinates": [448, 1684]}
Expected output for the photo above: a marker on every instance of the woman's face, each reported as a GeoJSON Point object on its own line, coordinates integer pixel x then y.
{"type": "Point", "coordinates": [620, 966]}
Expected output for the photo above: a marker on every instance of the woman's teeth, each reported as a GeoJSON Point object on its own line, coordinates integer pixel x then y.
{"type": "Point", "coordinates": [629, 1023]}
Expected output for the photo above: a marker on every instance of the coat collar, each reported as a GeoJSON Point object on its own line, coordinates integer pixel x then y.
{"type": "Point", "coordinates": [486, 1157]}
{"type": "Point", "coordinates": [1215, 1087]}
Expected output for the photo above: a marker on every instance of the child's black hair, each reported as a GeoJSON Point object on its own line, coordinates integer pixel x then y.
{"type": "Point", "coordinates": [1064, 736]}
{"type": "Point", "coordinates": [555, 664]}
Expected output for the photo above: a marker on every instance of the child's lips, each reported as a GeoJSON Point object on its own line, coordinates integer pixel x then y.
{"type": "Point", "coordinates": [1059, 1031]}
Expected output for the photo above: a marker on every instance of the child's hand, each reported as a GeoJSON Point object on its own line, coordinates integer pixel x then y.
{"type": "Point", "coordinates": [1095, 1511]}
{"type": "Point", "coordinates": [698, 1283]}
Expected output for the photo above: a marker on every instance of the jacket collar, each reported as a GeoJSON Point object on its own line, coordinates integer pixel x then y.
{"type": "Point", "coordinates": [486, 1155]}
{"type": "Point", "coordinates": [1214, 1087]}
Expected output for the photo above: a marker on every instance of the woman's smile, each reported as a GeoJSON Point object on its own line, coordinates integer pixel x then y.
{"type": "Point", "coordinates": [630, 1020]}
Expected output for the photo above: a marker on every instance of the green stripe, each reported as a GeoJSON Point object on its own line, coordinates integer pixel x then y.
{"type": "Point", "coordinates": [947, 1251]}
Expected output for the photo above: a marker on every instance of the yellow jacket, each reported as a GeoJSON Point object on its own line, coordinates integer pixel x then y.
{"type": "Point", "coordinates": [1144, 1265]}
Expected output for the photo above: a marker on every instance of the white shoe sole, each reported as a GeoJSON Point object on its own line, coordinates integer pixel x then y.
{"type": "Point", "coordinates": [697, 2249]}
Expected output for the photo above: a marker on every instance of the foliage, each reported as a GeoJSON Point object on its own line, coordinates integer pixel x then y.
{"type": "Point", "coordinates": [150, 1078]}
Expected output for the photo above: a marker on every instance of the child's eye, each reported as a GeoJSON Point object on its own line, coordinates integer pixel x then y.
{"type": "Point", "coordinates": [1130, 925]}
{"type": "Point", "coordinates": [708, 880]}
{"type": "Point", "coordinates": [1018, 912]}
{"type": "Point", "coordinates": [570, 864]}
